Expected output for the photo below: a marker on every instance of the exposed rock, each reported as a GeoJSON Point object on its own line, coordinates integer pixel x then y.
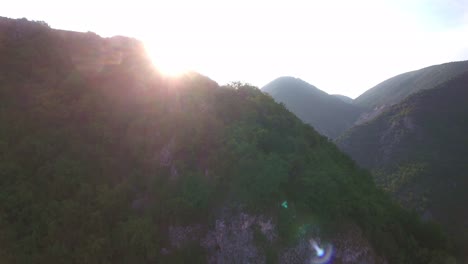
{"type": "Point", "coordinates": [174, 173]}
{"type": "Point", "coordinates": [300, 253]}
{"type": "Point", "coordinates": [231, 240]}
{"type": "Point", "coordinates": [140, 203]}
{"type": "Point", "coordinates": [352, 247]}
{"type": "Point", "coordinates": [180, 236]}
{"type": "Point", "coordinates": [233, 237]}
{"type": "Point", "coordinates": [369, 115]}
{"type": "Point", "coordinates": [267, 228]}
{"type": "Point", "coordinates": [165, 155]}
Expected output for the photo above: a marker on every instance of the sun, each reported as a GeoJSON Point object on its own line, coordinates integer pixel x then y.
{"type": "Point", "coordinates": [167, 61]}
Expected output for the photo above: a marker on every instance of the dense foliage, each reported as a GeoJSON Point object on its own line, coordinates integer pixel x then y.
{"type": "Point", "coordinates": [418, 151]}
{"type": "Point", "coordinates": [328, 114]}
{"type": "Point", "coordinates": [96, 164]}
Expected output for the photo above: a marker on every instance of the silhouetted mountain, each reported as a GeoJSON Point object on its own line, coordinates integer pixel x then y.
{"type": "Point", "coordinates": [396, 89]}
{"type": "Point", "coordinates": [103, 160]}
{"type": "Point", "coordinates": [343, 98]}
{"type": "Point", "coordinates": [329, 115]}
{"type": "Point", "coordinates": [418, 151]}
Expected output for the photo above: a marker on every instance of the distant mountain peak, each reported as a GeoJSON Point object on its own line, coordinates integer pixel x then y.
{"type": "Point", "coordinates": [328, 114]}
{"type": "Point", "coordinates": [343, 98]}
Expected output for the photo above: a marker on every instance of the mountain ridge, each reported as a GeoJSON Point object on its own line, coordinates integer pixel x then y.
{"type": "Point", "coordinates": [397, 88]}
{"type": "Point", "coordinates": [326, 113]}
{"type": "Point", "coordinates": [344, 98]}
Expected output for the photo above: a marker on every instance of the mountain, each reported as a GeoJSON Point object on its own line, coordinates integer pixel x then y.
{"type": "Point", "coordinates": [396, 89]}
{"type": "Point", "coordinates": [343, 98]}
{"type": "Point", "coordinates": [329, 115]}
{"type": "Point", "coordinates": [418, 151]}
{"type": "Point", "coordinates": [104, 160]}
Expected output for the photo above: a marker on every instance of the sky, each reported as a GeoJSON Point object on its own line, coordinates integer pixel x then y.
{"type": "Point", "coordinates": [341, 47]}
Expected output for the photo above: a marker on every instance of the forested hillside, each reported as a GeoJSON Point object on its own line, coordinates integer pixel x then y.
{"type": "Point", "coordinates": [104, 160]}
{"type": "Point", "coordinates": [418, 151]}
{"type": "Point", "coordinates": [328, 114]}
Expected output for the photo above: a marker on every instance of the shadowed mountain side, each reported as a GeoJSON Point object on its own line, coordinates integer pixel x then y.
{"type": "Point", "coordinates": [329, 115]}
{"type": "Point", "coordinates": [418, 151]}
{"type": "Point", "coordinates": [396, 89]}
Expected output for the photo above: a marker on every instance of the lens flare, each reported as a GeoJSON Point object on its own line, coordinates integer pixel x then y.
{"type": "Point", "coordinates": [320, 252]}
{"type": "Point", "coordinates": [322, 255]}
{"type": "Point", "coordinates": [285, 204]}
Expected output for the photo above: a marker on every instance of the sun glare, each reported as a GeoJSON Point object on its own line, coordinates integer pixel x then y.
{"type": "Point", "coordinates": [167, 62]}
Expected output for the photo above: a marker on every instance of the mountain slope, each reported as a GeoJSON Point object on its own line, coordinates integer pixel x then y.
{"type": "Point", "coordinates": [103, 160]}
{"type": "Point", "coordinates": [329, 115]}
{"type": "Point", "coordinates": [343, 98]}
{"type": "Point", "coordinates": [418, 150]}
{"type": "Point", "coordinates": [396, 89]}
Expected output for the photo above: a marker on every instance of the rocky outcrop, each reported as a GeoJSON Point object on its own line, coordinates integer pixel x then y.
{"type": "Point", "coordinates": [352, 247]}
{"type": "Point", "coordinates": [231, 239]}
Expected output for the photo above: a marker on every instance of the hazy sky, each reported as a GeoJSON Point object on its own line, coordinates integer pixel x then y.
{"type": "Point", "coordinates": [343, 47]}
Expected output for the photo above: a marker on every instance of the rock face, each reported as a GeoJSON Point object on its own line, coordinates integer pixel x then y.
{"type": "Point", "coordinates": [352, 247]}
{"type": "Point", "coordinates": [235, 235]}
{"type": "Point", "coordinates": [417, 151]}
{"type": "Point", "coordinates": [230, 240]}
